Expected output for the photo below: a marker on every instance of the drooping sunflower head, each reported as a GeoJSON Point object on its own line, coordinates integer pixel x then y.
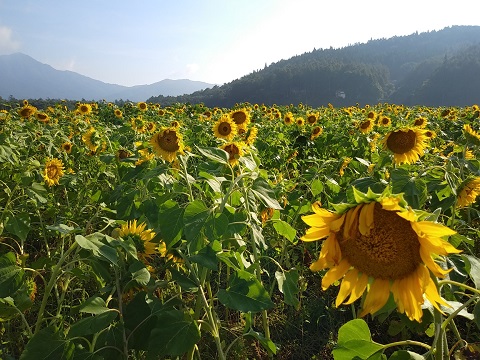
{"type": "Point", "coordinates": [240, 117]}
{"type": "Point", "coordinates": [42, 117]}
{"type": "Point", "coordinates": [84, 109]}
{"type": "Point", "coordinates": [53, 171]}
{"type": "Point", "coordinates": [471, 134]}
{"type": "Point", "coordinates": [167, 143]}
{"type": "Point", "coordinates": [380, 246]}
{"type": "Point", "coordinates": [469, 191]}
{"type": "Point", "coordinates": [91, 139]}
{"type": "Point", "coordinates": [235, 150]}
{"type": "Point", "coordinates": [225, 128]}
{"type": "Point", "coordinates": [142, 238]}
{"type": "Point", "coordinates": [26, 111]}
{"type": "Point", "coordinates": [406, 144]}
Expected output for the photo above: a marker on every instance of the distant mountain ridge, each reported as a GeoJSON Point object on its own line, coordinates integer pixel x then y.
{"type": "Point", "coordinates": [434, 68]}
{"type": "Point", "coordinates": [26, 78]}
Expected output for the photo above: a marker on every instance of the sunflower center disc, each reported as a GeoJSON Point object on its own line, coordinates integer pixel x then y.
{"type": "Point", "coordinates": [391, 251]}
{"type": "Point", "coordinates": [52, 171]}
{"type": "Point", "coordinates": [169, 141]}
{"type": "Point", "coordinates": [225, 129]}
{"type": "Point", "coordinates": [239, 117]}
{"type": "Point", "coordinates": [401, 142]}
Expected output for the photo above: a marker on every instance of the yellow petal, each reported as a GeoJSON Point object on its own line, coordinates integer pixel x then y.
{"type": "Point", "coordinates": [432, 229]}
{"type": "Point", "coordinates": [351, 223]}
{"type": "Point", "coordinates": [335, 273]}
{"type": "Point", "coordinates": [431, 293]}
{"type": "Point", "coordinates": [366, 219]}
{"type": "Point", "coordinates": [391, 203]}
{"type": "Point", "coordinates": [348, 283]}
{"type": "Point", "coordinates": [431, 264]}
{"type": "Point", "coordinates": [315, 233]}
{"type": "Point", "coordinates": [377, 296]}
{"type": "Point", "coordinates": [438, 246]}
{"type": "Point", "coordinates": [358, 288]}
{"type": "Point", "coordinates": [314, 220]}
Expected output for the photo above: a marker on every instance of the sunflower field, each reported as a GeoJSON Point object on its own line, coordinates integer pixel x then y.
{"type": "Point", "coordinates": [138, 231]}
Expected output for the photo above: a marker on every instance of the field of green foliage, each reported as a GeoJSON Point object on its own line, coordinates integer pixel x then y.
{"type": "Point", "coordinates": [253, 232]}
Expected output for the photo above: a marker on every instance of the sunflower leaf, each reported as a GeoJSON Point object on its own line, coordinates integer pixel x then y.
{"type": "Point", "coordinates": [355, 342]}
{"type": "Point", "coordinates": [215, 154]}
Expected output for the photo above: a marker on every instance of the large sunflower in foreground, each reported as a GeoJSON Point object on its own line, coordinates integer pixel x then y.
{"type": "Point", "coordinates": [380, 246]}
{"type": "Point", "coordinates": [225, 128]}
{"type": "Point", "coordinates": [141, 237]}
{"type": "Point", "coordinates": [407, 144]}
{"type": "Point", "coordinates": [167, 143]}
{"type": "Point", "coordinates": [53, 171]}
{"type": "Point", "coordinates": [469, 192]}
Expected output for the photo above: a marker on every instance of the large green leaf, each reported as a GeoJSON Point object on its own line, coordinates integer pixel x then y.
{"type": "Point", "coordinates": [206, 257]}
{"type": "Point", "coordinates": [139, 321]}
{"type": "Point", "coordinates": [94, 305]}
{"type": "Point", "coordinates": [18, 225]}
{"type": "Point", "coordinates": [215, 154]}
{"type": "Point", "coordinates": [285, 229]}
{"type": "Point", "coordinates": [97, 247]}
{"type": "Point", "coordinates": [355, 342]}
{"type": "Point", "coordinates": [245, 293]}
{"type": "Point", "coordinates": [473, 269]}
{"type": "Point", "coordinates": [264, 193]}
{"type": "Point", "coordinates": [195, 218]}
{"type": "Point", "coordinates": [414, 188]}
{"type": "Point", "coordinates": [92, 324]}
{"type": "Point", "coordinates": [47, 344]}
{"type": "Point", "coordinates": [288, 285]}
{"type": "Point", "coordinates": [174, 334]}
{"type": "Point", "coordinates": [216, 226]}
{"type": "Point", "coordinates": [171, 225]}
{"type": "Point", "coordinates": [11, 275]}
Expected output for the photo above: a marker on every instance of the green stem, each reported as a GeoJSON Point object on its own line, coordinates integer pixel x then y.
{"type": "Point", "coordinates": [51, 283]}
{"type": "Point", "coordinates": [451, 282]}
{"type": "Point", "coordinates": [120, 310]}
{"type": "Point", "coordinates": [408, 343]}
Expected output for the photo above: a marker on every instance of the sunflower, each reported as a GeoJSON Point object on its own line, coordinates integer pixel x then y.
{"type": "Point", "coordinates": [252, 135]}
{"type": "Point", "coordinates": [316, 132]}
{"type": "Point", "coordinates": [240, 117]}
{"type": "Point", "coordinates": [145, 156]}
{"type": "Point", "coordinates": [471, 133]}
{"type": "Point", "coordinates": [371, 115]}
{"type": "Point", "coordinates": [225, 128]}
{"type": "Point", "coordinates": [167, 143]}
{"type": "Point", "coordinates": [469, 192]}
{"type": "Point", "coordinates": [407, 144]}
{"type": "Point", "coordinates": [42, 117]}
{"type": "Point", "coordinates": [430, 134]}
{"type": "Point", "coordinates": [366, 126]}
{"type": "Point", "coordinates": [118, 113]}
{"type": "Point", "coordinates": [142, 106]}
{"type": "Point", "coordinates": [288, 118]}
{"type": "Point", "coordinates": [67, 147]}
{"type": "Point", "coordinates": [300, 121]}
{"type": "Point", "coordinates": [84, 109]}
{"type": "Point", "coordinates": [138, 124]}
{"type": "Point", "coordinates": [53, 171]}
{"type": "Point", "coordinates": [235, 150]}
{"type": "Point", "coordinates": [384, 121]}
{"type": "Point", "coordinates": [141, 237]}
{"type": "Point", "coordinates": [420, 122]}
{"type": "Point", "coordinates": [27, 110]}
{"type": "Point", "coordinates": [344, 165]}
{"type": "Point", "coordinates": [89, 138]}
{"type": "Point", "coordinates": [379, 246]}
{"type": "Point", "coordinates": [312, 118]}
{"type": "Point", "coordinates": [151, 127]}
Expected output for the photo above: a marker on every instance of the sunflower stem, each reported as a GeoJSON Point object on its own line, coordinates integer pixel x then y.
{"type": "Point", "coordinates": [407, 343]}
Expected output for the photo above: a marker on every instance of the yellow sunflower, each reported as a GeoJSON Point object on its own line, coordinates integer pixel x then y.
{"type": "Point", "coordinates": [225, 128]}
{"type": "Point", "coordinates": [379, 246]}
{"type": "Point", "coordinates": [141, 237]}
{"type": "Point", "coordinates": [312, 118]}
{"type": "Point", "coordinates": [84, 109]}
{"type": "Point", "coordinates": [142, 106]}
{"type": "Point", "coordinates": [118, 113]}
{"type": "Point", "coordinates": [138, 124]}
{"type": "Point", "coordinates": [407, 144]}
{"type": "Point", "coordinates": [235, 150]}
{"type": "Point", "coordinates": [384, 121]}
{"type": "Point", "coordinates": [145, 156]}
{"type": "Point", "coordinates": [316, 132]}
{"type": "Point", "coordinates": [252, 135]}
{"type": "Point", "coordinates": [366, 126]}
{"type": "Point", "coordinates": [53, 171]}
{"type": "Point", "coordinates": [288, 118]}
{"type": "Point", "coordinates": [67, 147]}
{"type": "Point", "coordinates": [469, 192]}
{"type": "Point", "coordinates": [167, 143]}
{"type": "Point", "coordinates": [471, 133]}
{"type": "Point", "coordinates": [90, 139]}
{"type": "Point", "coordinates": [420, 122]}
{"type": "Point", "coordinates": [42, 117]}
{"type": "Point", "coordinates": [240, 117]}
{"type": "Point", "coordinates": [26, 111]}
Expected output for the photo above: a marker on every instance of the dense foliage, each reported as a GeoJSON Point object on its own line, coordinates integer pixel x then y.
{"type": "Point", "coordinates": [141, 231]}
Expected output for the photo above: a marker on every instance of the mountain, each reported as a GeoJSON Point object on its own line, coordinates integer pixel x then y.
{"type": "Point", "coordinates": [25, 78]}
{"type": "Point", "coordinates": [433, 68]}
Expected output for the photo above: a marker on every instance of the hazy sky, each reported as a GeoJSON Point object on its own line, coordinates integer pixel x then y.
{"type": "Point", "coordinates": [216, 41]}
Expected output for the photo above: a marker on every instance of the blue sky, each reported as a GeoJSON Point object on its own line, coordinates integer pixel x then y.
{"type": "Point", "coordinates": [216, 41]}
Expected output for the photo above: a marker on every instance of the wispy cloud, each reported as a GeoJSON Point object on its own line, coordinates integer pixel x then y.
{"type": "Point", "coordinates": [7, 43]}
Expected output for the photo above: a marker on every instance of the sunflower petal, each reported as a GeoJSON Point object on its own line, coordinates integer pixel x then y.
{"type": "Point", "coordinates": [377, 297]}
{"type": "Point", "coordinates": [432, 229]}
{"type": "Point", "coordinates": [335, 273]}
{"type": "Point", "coordinates": [348, 284]}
